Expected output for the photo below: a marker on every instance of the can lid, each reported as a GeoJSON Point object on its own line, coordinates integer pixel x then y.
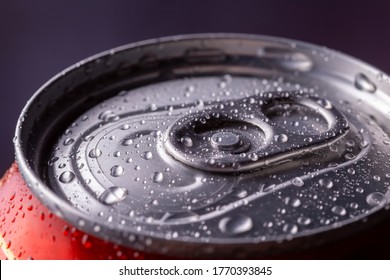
{"type": "Point", "coordinates": [220, 143]}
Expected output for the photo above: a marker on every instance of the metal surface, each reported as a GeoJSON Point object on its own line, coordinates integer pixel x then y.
{"type": "Point", "coordinates": [218, 143]}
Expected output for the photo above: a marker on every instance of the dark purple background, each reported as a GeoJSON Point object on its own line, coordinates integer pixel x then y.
{"type": "Point", "coordinates": [40, 38]}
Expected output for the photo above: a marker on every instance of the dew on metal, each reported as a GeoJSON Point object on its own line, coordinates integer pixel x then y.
{"type": "Point", "coordinates": [326, 183]}
{"type": "Point", "coordinates": [117, 171]}
{"type": "Point", "coordinates": [221, 157]}
{"type": "Point", "coordinates": [375, 199]}
{"type": "Point", "coordinates": [127, 142]}
{"type": "Point", "coordinates": [339, 210]}
{"type": "Point", "coordinates": [290, 228]}
{"type": "Point", "coordinates": [158, 177]}
{"type": "Point", "coordinates": [292, 201]}
{"type": "Point", "coordinates": [297, 181]}
{"type": "Point", "coordinates": [113, 195]}
{"type": "Point", "coordinates": [147, 155]}
{"type": "Point", "coordinates": [363, 83]}
{"type": "Point", "coordinates": [108, 116]}
{"type": "Point", "coordinates": [95, 153]}
{"type": "Point", "coordinates": [235, 225]}
{"type": "Point", "coordinates": [66, 177]}
{"type": "Point", "coordinates": [304, 221]}
{"type": "Point", "coordinates": [282, 138]}
{"type": "Point", "coordinates": [68, 141]}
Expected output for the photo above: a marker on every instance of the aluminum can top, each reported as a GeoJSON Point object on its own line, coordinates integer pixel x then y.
{"type": "Point", "coordinates": [212, 144]}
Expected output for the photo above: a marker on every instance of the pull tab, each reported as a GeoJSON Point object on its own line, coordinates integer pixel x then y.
{"type": "Point", "coordinates": [254, 132]}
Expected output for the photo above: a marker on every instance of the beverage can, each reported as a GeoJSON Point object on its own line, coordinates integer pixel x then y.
{"type": "Point", "coordinates": [204, 146]}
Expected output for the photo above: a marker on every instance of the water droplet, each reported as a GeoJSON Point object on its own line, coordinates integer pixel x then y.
{"type": "Point", "coordinates": [363, 144]}
{"type": "Point", "coordinates": [297, 181]}
{"type": "Point", "coordinates": [87, 138]}
{"type": "Point", "coordinates": [147, 155]}
{"type": "Point", "coordinates": [158, 177]}
{"type": "Point", "coordinates": [351, 171]}
{"type": "Point", "coordinates": [127, 142]}
{"type": "Point", "coordinates": [153, 107]}
{"type": "Point", "coordinates": [350, 143]}
{"type": "Point", "coordinates": [362, 82]}
{"type": "Point", "coordinates": [53, 160]}
{"type": "Point", "coordinates": [375, 199]}
{"type": "Point", "coordinates": [294, 202]}
{"type": "Point", "coordinates": [187, 142]}
{"type": "Point", "coordinates": [117, 154]}
{"type": "Point", "coordinates": [359, 190]}
{"type": "Point", "coordinates": [113, 195]}
{"type": "Point", "coordinates": [117, 171]}
{"type": "Point", "coordinates": [281, 138]}
{"type": "Point", "coordinates": [304, 221]}
{"type": "Point", "coordinates": [350, 156]}
{"type": "Point", "coordinates": [68, 141]}
{"type": "Point", "coordinates": [66, 177]}
{"type": "Point", "coordinates": [339, 210]}
{"type": "Point", "coordinates": [108, 116]}
{"type": "Point", "coordinates": [235, 225]}
{"type": "Point", "coordinates": [253, 157]}
{"type": "Point", "coordinates": [354, 205]}
{"type": "Point", "coordinates": [290, 228]}
{"type": "Point", "coordinates": [240, 193]}
{"type": "Point", "coordinates": [376, 178]}
{"type": "Point", "coordinates": [86, 242]}
{"type": "Point", "coordinates": [325, 103]}
{"type": "Point", "coordinates": [95, 153]}
{"type": "Point", "coordinates": [326, 183]}
{"type": "Point", "coordinates": [125, 127]}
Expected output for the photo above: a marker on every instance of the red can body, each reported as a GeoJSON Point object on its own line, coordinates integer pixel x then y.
{"type": "Point", "coordinates": [30, 231]}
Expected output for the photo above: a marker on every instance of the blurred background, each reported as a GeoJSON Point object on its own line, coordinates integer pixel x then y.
{"type": "Point", "coordinates": [40, 38]}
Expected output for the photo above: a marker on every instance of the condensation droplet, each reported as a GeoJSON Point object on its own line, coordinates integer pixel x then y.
{"type": "Point", "coordinates": [235, 225]}
{"type": "Point", "coordinates": [53, 160]}
{"type": "Point", "coordinates": [117, 171]}
{"type": "Point", "coordinates": [127, 142]}
{"type": "Point", "coordinates": [376, 178]}
{"type": "Point", "coordinates": [95, 153]}
{"type": "Point", "coordinates": [147, 155]}
{"type": "Point", "coordinates": [158, 177]}
{"type": "Point", "coordinates": [363, 144]}
{"type": "Point", "coordinates": [290, 228]}
{"type": "Point", "coordinates": [153, 107]}
{"type": "Point", "coordinates": [326, 183]}
{"type": "Point", "coordinates": [108, 116]}
{"type": "Point", "coordinates": [304, 221]}
{"type": "Point", "coordinates": [363, 83]}
{"type": "Point", "coordinates": [375, 199]}
{"type": "Point", "coordinates": [294, 202]}
{"type": "Point", "coordinates": [240, 193]}
{"type": "Point", "coordinates": [325, 103]}
{"type": "Point", "coordinates": [66, 177]}
{"type": "Point", "coordinates": [68, 141]}
{"type": "Point", "coordinates": [297, 181]}
{"type": "Point", "coordinates": [117, 154]}
{"type": "Point", "coordinates": [281, 138]}
{"type": "Point", "coordinates": [187, 142]}
{"type": "Point", "coordinates": [253, 157]}
{"type": "Point", "coordinates": [339, 210]}
{"type": "Point", "coordinates": [113, 195]}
